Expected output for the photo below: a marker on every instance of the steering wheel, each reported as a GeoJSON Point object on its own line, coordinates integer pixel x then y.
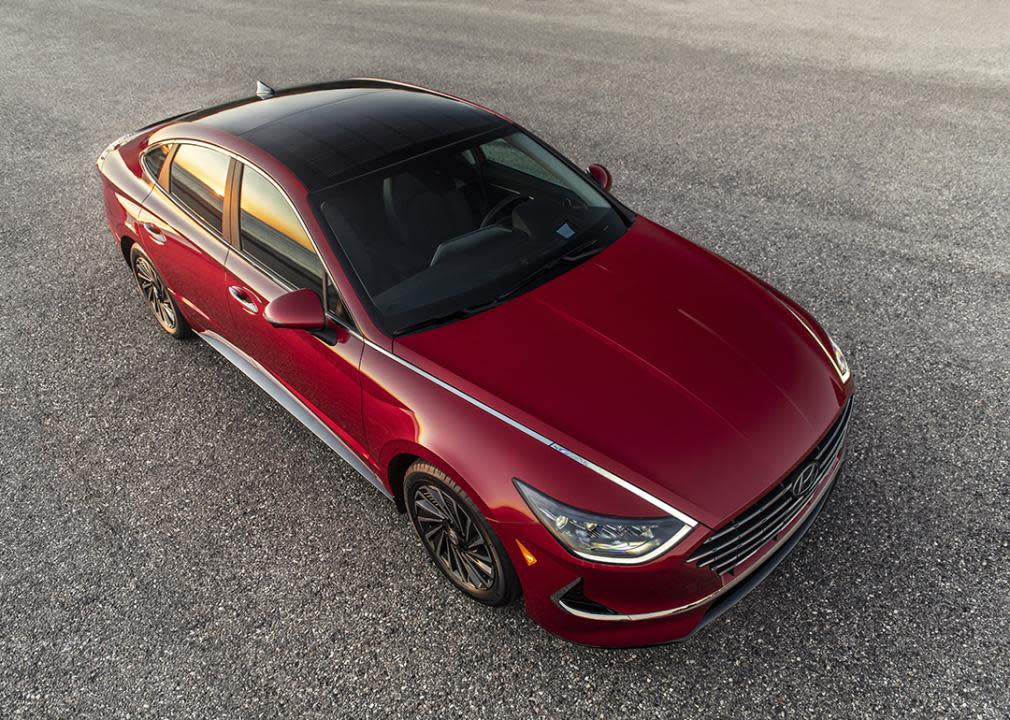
{"type": "Point", "coordinates": [500, 206]}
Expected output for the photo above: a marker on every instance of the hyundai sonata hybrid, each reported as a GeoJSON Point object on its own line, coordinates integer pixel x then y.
{"type": "Point", "coordinates": [573, 405]}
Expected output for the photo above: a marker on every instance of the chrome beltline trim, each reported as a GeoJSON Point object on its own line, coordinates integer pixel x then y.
{"type": "Point", "coordinates": [797, 523]}
{"type": "Point", "coordinates": [262, 377]}
{"type": "Point", "coordinates": [689, 522]}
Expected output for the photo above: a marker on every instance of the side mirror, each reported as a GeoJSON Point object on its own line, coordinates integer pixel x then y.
{"type": "Point", "coordinates": [601, 175]}
{"type": "Point", "coordinates": [297, 310]}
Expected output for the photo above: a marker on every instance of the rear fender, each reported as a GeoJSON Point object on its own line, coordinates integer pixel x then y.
{"type": "Point", "coordinates": [124, 192]}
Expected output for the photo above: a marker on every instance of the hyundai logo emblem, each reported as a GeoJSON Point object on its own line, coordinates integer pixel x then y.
{"type": "Point", "coordinates": [804, 480]}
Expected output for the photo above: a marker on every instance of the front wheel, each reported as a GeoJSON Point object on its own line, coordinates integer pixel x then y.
{"type": "Point", "coordinates": [458, 537]}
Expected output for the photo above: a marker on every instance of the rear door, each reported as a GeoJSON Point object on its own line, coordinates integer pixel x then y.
{"type": "Point", "coordinates": [181, 228]}
{"type": "Point", "coordinates": [275, 255]}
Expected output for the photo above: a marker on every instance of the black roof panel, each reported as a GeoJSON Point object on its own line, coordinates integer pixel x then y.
{"type": "Point", "coordinates": [326, 134]}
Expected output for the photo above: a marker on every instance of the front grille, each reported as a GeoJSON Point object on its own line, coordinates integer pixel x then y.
{"type": "Point", "coordinates": [725, 550]}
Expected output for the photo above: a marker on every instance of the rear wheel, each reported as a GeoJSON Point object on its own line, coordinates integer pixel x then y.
{"type": "Point", "coordinates": [158, 299]}
{"type": "Point", "coordinates": [458, 537]}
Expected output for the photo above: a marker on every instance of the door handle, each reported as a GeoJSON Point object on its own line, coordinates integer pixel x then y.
{"type": "Point", "coordinates": [244, 298]}
{"type": "Point", "coordinates": [155, 232]}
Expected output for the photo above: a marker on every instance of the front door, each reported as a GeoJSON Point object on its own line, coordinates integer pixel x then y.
{"type": "Point", "coordinates": [275, 256]}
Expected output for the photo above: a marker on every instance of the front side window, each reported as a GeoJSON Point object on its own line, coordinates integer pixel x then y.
{"type": "Point", "coordinates": [271, 233]}
{"type": "Point", "coordinates": [197, 179]}
{"type": "Point", "coordinates": [465, 227]}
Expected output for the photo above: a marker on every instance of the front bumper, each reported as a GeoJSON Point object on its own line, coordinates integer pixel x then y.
{"type": "Point", "coordinates": [661, 602]}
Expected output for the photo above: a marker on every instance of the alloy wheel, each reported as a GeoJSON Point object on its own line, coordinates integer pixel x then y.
{"type": "Point", "coordinates": [155, 294]}
{"type": "Point", "coordinates": [453, 538]}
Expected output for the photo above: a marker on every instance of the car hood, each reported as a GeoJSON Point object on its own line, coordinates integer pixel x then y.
{"type": "Point", "coordinates": [657, 360]}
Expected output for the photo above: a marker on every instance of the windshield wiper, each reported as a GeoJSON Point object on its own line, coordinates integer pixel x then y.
{"type": "Point", "coordinates": [577, 254]}
{"type": "Point", "coordinates": [447, 318]}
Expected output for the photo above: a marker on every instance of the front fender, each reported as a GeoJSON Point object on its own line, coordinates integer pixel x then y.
{"type": "Point", "coordinates": [407, 413]}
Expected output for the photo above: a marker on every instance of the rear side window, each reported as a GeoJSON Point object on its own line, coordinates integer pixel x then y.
{"type": "Point", "coordinates": [271, 233]}
{"type": "Point", "coordinates": [154, 160]}
{"type": "Point", "coordinates": [197, 181]}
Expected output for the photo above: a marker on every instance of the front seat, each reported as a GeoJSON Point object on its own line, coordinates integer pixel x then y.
{"type": "Point", "coordinates": [425, 210]}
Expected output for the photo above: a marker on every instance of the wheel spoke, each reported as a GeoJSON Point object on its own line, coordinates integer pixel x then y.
{"type": "Point", "coordinates": [458, 516]}
{"type": "Point", "coordinates": [429, 520]}
{"type": "Point", "coordinates": [439, 499]}
{"type": "Point", "coordinates": [472, 573]}
{"type": "Point", "coordinates": [483, 565]}
{"type": "Point", "coordinates": [454, 564]}
{"type": "Point", "coordinates": [469, 530]}
{"type": "Point", "coordinates": [465, 570]}
{"type": "Point", "coordinates": [433, 512]}
{"type": "Point", "coordinates": [434, 531]}
{"type": "Point", "coordinates": [441, 548]}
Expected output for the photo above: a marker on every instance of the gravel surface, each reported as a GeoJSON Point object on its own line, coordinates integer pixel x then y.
{"type": "Point", "coordinates": [172, 544]}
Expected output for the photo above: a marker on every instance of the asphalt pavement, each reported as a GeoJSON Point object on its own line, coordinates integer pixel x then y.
{"type": "Point", "coordinates": [173, 545]}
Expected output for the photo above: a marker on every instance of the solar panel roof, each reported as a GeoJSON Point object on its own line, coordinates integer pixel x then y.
{"type": "Point", "coordinates": [326, 134]}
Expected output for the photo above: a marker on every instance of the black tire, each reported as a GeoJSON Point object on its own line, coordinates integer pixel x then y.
{"type": "Point", "coordinates": [466, 549]}
{"type": "Point", "coordinates": [159, 300]}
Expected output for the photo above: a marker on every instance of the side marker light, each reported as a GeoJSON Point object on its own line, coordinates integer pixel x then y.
{"type": "Point", "coordinates": [527, 555]}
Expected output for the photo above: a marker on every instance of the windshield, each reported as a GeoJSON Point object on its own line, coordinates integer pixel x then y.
{"type": "Point", "coordinates": [457, 230]}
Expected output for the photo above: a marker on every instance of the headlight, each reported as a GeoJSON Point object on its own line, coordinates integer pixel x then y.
{"type": "Point", "coordinates": [604, 538]}
{"type": "Point", "coordinates": [840, 364]}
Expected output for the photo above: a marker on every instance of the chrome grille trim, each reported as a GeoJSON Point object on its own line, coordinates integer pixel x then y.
{"type": "Point", "coordinates": [729, 547]}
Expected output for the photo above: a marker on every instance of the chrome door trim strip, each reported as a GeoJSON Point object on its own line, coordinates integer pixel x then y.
{"type": "Point", "coordinates": [262, 377]}
{"type": "Point", "coordinates": [689, 522]}
{"type": "Point", "coordinates": [655, 615]}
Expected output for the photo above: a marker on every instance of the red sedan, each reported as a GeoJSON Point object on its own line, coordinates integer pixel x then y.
{"type": "Point", "coordinates": [572, 404]}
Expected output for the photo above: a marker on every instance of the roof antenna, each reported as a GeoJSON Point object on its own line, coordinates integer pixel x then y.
{"type": "Point", "coordinates": [263, 91]}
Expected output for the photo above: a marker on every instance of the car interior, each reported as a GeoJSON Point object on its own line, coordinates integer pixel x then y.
{"type": "Point", "coordinates": [450, 223]}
